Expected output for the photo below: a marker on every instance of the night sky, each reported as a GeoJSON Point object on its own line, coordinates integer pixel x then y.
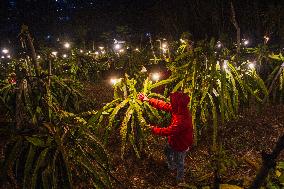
{"type": "Point", "coordinates": [89, 19]}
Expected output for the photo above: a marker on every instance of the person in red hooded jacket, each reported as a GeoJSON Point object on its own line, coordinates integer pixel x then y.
{"type": "Point", "coordinates": [179, 132]}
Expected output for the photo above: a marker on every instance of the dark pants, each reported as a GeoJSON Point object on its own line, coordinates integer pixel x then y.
{"type": "Point", "coordinates": [175, 160]}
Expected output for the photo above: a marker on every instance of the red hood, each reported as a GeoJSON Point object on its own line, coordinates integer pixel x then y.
{"type": "Point", "coordinates": [179, 102]}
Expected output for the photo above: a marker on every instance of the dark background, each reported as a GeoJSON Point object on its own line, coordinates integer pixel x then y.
{"type": "Point", "coordinates": [83, 21]}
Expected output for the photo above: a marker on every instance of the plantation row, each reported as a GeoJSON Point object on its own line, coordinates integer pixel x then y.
{"type": "Point", "coordinates": [56, 139]}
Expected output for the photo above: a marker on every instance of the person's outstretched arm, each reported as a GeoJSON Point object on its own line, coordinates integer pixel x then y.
{"type": "Point", "coordinates": [159, 104]}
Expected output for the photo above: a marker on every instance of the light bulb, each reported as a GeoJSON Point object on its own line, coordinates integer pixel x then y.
{"type": "Point", "coordinates": [266, 39]}
{"type": "Point", "coordinates": [251, 66]}
{"type": "Point", "coordinates": [155, 76]}
{"type": "Point", "coordinates": [246, 42]}
{"type": "Point", "coordinates": [182, 40]}
{"type": "Point", "coordinates": [117, 46]}
{"type": "Point", "coordinates": [219, 44]}
{"type": "Point", "coordinates": [5, 51]}
{"type": "Point", "coordinates": [164, 45]}
{"type": "Point", "coordinates": [67, 45]}
{"type": "Point", "coordinates": [54, 53]}
{"type": "Point", "coordinates": [114, 81]}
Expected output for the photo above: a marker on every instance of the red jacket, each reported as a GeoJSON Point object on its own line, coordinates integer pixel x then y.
{"type": "Point", "coordinates": [180, 131]}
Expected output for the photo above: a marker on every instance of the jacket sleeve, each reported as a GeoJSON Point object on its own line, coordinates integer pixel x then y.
{"type": "Point", "coordinates": [160, 105]}
{"type": "Point", "coordinates": [173, 129]}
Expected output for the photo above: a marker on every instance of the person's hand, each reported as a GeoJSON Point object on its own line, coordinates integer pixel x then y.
{"type": "Point", "coordinates": [143, 97]}
{"type": "Point", "coordinates": [149, 128]}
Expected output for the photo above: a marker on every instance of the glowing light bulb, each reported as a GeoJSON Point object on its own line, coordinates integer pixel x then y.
{"type": "Point", "coordinates": [101, 48]}
{"type": "Point", "coordinates": [219, 44]}
{"type": "Point", "coordinates": [155, 76]}
{"type": "Point", "coordinates": [67, 45]}
{"type": "Point", "coordinates": [103, 52]}
{"type": "Point", "coordinates": [182, 40]}
{"type": "Point", "coordinates": [251, 65]}
{"type": "Point", "coordinates": [246, 42]}
{"type": "Point", "coordinates": [81, 51]}
{"type": "Point", "coordinates": [5, 51]}
{"type": "Point", "coordinates": [266, 39]}
{"type": "Point", "coordinates": [164, 45]}
{"type": "Point", "coordinates": [38, 56]}
{"type": "Point", "coordinates": [64, 55]}
{"type": "Point", "coordinates": [137, 49]}
{"type": "Point", "coordinates": [96, 53]}
{"type": "Point", "coordinates": [2, 57]}
{"type": "Point", "coordinates": [8, 56]}
{"type": "Point", "coordinates": [54, 53]}
{"type": "Point", "coordinates": [117, 46]}
{"type": "Point", "coordinates": [114, 81]}
{"type": "Point", "coordinates": [121, 50]}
